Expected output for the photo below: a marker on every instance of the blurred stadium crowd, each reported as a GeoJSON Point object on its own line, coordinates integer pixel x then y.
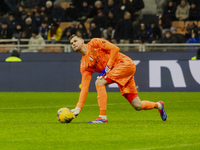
{"type": "Point", "coordinates": [119, 21]}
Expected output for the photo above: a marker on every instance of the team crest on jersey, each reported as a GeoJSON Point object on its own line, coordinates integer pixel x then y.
{"type": "Point", "coordinates": [103, 42]}
{"type": "Point", "coordinates": [94, 52]}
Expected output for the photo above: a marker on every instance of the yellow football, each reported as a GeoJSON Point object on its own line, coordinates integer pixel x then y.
{"type": "Point", "coordinates": [64, 115]}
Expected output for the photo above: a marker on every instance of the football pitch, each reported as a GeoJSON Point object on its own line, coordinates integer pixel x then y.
{"type": "Point", "coordinates": [28, 121]}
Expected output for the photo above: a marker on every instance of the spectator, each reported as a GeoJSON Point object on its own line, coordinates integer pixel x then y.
{"type": "Point", "coordinates": [98, 5]}
{"type": "Point", "coordinates": [71, 13]}
{"type": "Point", "coordinates": [108, 34]}
{"type": "Point", "coordinates": [124, 30]}
{"type": "Point", "coordinates": [176, 2]}
{"type": "Point", "coordinates": [58, 12]}
{"type": "Point", "coordinates": [167, 38]}
{"type": "Point", "coordinates": [194, 12]}
{"type": "Point", "coordinates": [136, 27]}
{"type": "Point", "coordinates": [19, 11]}
{"type": "Point", "coordinates": [81, 28]}
{"type": "Point", "coordinates": [36, 42]}
{"type": "Point", "coordinates": [5, 31]}
{"type": "Point", "coordinates": [191, 26]}
{"type": "Point", "coordinates": [15, 57]}
{"type": "Point", "coordinates": [49, 20]}
{"type": "Point", "coordinates": [142, 34]}
{"type": "Point", "coordinates": [12, 22]}
{"type": "Point", "coordinates": [37, 19]}
{"type": "Point", "coordinates": [18, 32]}
{"type": "Point", "coordinates": [137, 5]}
{"type": "Point", "coordinates": [72, 28]}
{"type": "Point", "coordinates": [124, 5]}
{"type": "Point", "coordinates": [100, 20]}
{"type": "Point", "coordinates": [85, 11]}
{"type": "Point", "coordinates": [170, 10]}
{"type": "Point", "coordinates": [110, 6]}
{"type": "Point", "coordinates": [4, 8]}
{"type": "Point", "coordinates": [195, 38]}
{"type": "Point", "coordinates": [79, 33]}
{"type": "Point", "coordinates": [95, 31]}
{"type": "Point", "coordinates": [111, 20]}
{"type": "Point", "coordinates": [22, 20]}
{"type": "Point", "coordinates": [154, 32]}
{"type": "Point", "coordinates": [163, 20]}
{"type": "Point", "coordinates": [54, 33]}
{"type": "Point", "coordinates": [48, 9]}
{"type": "Point", "coordinates": [179, 38]}
{"type": "Point", "coordinates": [11, 5]}
{"type": "Point", "coordinates": [29, 26]}
{"type": "Point", "coordinates": [42, 3]}
{"type": "Point", "coordinates": [197, 57]}
{"type": "Point", "coordinates": [43, 30]}
{"type": "Point", "coordinates": [31, 3]}
{"type": "Point", "coordinates": [65, 37]}
{"type": "Point", "coordinates": [182, 11]}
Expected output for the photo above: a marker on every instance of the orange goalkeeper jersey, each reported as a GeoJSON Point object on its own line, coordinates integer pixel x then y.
{"type": "Point", "coordinates": [100, 53]}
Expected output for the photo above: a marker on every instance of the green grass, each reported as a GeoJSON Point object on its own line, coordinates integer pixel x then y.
{"type": "Point", "coordinates": [28, 121]}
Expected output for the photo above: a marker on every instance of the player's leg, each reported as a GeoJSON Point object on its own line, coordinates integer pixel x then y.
{"type": "Point", "coordinates": [102, 100]}
{"type": "Point", "coordinates": [129, 91]}
{"type": "Point", "coordinates": [144, 105]}
{"type": "Point", "coordinates": [135, 101]}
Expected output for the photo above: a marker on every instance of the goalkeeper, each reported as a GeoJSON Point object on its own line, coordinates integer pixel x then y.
{"type": "Point", "coordinates": [99, 55]}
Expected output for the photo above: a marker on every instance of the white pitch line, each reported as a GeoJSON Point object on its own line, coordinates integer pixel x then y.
{"type": "Point", "coordinates": [168, 147]}
{"type": "Point", "coordinates": [59, 106]}
{"type": "Point", "coordinates": [84, 105]}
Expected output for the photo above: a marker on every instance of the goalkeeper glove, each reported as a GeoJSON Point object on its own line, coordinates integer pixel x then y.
{"type": "Point", "coordinates": [104, 72]}
{"type": "Point", "coordinates": [76, 111]}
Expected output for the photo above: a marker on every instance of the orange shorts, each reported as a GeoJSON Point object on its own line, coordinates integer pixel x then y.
{"type": "Point", "coordinates": [130, 86]}
{"type": "Point", "coordinates": [123, 75]}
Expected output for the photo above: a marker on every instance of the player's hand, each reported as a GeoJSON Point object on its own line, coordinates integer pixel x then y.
{"type": "Point", "coordinates": [76, 111]}
{"type": "Point", "coordinates": [104, 72]}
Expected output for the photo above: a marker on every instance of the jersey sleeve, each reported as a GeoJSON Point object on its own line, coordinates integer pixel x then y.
{"type": "Point", "coordinates": [85, 83]}
{"type": "Point", "coordinates": [106, 45]}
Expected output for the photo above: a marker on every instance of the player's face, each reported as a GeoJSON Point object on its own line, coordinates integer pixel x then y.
{"type": "Point", "coordinates": [76, 43]}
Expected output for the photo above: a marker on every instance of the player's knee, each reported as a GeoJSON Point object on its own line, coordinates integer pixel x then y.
{"type": "Point", "coordinates": [97, 82]}
{"type": "Point", "coordinates": [137, 104]}
{"type": "Point", "coordinates": [138, 108]}
{"type": "Point", "coordinates": [100, 82]}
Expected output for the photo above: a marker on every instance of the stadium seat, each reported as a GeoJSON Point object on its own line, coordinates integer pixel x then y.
{"type": "Point", "coordinates": [188, 22]}
{"type": "Point", "coordinates": [87, 26]}
{"type": "Point", "coordinates": [65, 5]}
{"type": "Point", "coordinates": [198, 24]}
{"type": "Point", "coordinates": [64, 25]}
{"type": "Point", "coordinates": [180, 26]}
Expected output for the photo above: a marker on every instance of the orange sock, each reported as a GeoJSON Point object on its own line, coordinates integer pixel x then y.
{"type": "Point", "coordinates": [102, 98]}
{"type": "Point", "coordinates": [148, 105]}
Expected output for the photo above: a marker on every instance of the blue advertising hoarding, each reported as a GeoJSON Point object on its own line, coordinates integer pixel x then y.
{"type": "Point", "coordinates": [61, 73]}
